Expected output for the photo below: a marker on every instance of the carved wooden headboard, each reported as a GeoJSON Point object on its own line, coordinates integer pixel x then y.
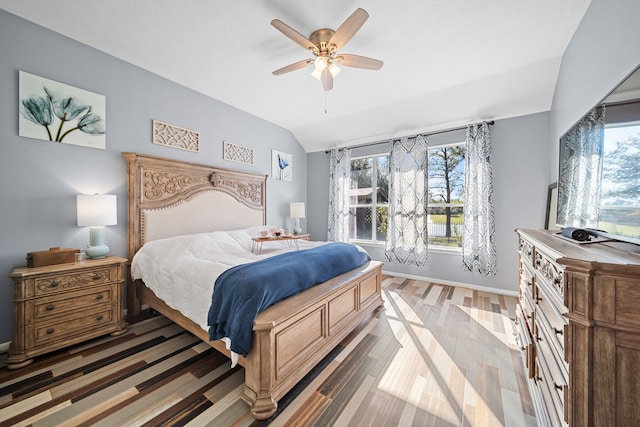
{"type": "Point", "coordinates": [169, 197]}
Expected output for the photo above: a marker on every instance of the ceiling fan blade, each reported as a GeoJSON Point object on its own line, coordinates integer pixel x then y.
{"type": "Point", "coordinates": [357, 61]}
{"type": "Point", "coordinates": [348, 28]}
{"type": "Point", "coordinates": [292, 67]}
{"type": "Point", "coordinates": [293, 34]}
{"type": "Point", "coordinates": [327, 79]}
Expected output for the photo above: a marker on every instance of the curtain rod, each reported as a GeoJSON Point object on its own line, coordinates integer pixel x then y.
{"type": "Point", "coordinates": [491, 123]}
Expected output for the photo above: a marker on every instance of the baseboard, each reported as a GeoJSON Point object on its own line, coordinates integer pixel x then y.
{"type": "Point", "coordinates": [452, 283]}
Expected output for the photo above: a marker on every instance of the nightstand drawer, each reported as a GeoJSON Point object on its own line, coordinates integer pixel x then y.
{"type": "Point", "coordinates": [67, 282]}
{"type": "Point", "coordinates": [45, 332]}
{"type": "Point", "coordinates": [72, 301]}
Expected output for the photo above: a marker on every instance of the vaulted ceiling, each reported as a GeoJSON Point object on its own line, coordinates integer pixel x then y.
{"type": "Point", "coordinates": [446, 63]}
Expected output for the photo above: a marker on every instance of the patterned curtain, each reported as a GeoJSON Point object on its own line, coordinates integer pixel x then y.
{"type": "Point", "coordinates": [581, 171]}
{"type": "Point", "coordinates": [408, 196]}
{"type": "Point", "coordinates": [339, 185]}
{"type": "Point", "coordinates": [478, 241]}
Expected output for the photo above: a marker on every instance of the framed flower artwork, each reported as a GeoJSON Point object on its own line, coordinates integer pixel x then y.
{"type": "Point", "coordinates": [56, 112]}
{"type": "Point", "coordinates": [281, 166]}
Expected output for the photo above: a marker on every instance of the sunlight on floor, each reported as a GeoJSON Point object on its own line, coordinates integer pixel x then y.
{"type": "Point", "coordinates": [423, 372]}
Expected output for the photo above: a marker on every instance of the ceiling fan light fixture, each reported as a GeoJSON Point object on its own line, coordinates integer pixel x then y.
{"type": "Point", "coordinates": [333, 68]}
{"type": "Point", "coordinates": [320, 63]}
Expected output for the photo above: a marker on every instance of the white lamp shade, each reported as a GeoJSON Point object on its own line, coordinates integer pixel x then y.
{"type": "Point", "coordinates": [296, 210]}
{"type": "Point", "coordinates": [96, 209]}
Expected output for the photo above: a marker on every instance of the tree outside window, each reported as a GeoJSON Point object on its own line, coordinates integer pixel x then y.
{"type": "Point", "coordinates": [446, 195]}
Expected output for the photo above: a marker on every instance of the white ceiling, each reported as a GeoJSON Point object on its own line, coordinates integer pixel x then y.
{"type": "Point", "coordinates": [446, 63]}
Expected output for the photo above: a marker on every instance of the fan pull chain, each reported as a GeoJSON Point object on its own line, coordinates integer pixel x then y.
{"type": "Point", "coordinates": [325, 102]}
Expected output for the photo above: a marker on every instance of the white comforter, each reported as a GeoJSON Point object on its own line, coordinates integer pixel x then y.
{"type": "Point", "coordinates": [182, 270]}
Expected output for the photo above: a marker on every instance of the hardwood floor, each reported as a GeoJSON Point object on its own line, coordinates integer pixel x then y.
{"type": "Point", "coordinates": [435, 356]}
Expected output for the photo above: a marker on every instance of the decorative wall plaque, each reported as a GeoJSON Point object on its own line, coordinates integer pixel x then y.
{"type": "Point", "coordinates": [175, 136]}
{"type": "Point", "coordinates": [237, 153]}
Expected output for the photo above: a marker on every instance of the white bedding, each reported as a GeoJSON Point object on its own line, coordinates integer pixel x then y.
{"type": "Point", "coordinates": [182, 270]}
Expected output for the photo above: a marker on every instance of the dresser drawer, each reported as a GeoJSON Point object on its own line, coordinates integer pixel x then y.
{"type": "Point", "coordinates": [523, 339]}
{"type": "Point", "coordinates": [552, 274]}
{"type": "Point", "coordinates": [526, 250]}
{"type": "Point", "coordinates": [61, 304]}
{"type": "Point", "coordinates": [527, 306]}
{"type": "Point", "coordinates": [67, 282]}
{"type": "Point", "coordinates": [554, 369]}
{"type": "Point", "coordinates": [550, 394]}
{"type": "Point", "coordinates": [45, 332]}
{"type": "Point", "coordinates": [526, 277]}
{"type": "Point", "coordinates": [551, 320]}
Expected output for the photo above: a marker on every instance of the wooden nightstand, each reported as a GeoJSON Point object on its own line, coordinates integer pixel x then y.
{"type": "Point", "coordinates": [64, 304]}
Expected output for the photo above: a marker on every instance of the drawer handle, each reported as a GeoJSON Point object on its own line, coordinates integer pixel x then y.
{"type": "Point", "coordinates": [99, 317]}
{"type": "Point", "coordinates": [557, 387]}
{"type": "Point", "coordinates": [538, 299]}
{"type": "Point", "coordinates": [49, 331]}
{"type": "Point", "coordinates": [99, 297]}
{"type": "Point", "coordinates": [556, 280]}
{"type": "Point", "coordinates": [538, 338]}
{"type": "Point", "coordinates": [54, 284]}
{"type": "Point", "coordinates": [96, 276]}
{"type": "Point", "coordinates": [557, 331]}
{"type": "Point", "coordinates": [50, 307]}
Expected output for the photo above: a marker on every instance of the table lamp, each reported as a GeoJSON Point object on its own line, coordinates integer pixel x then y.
{"type": "Point", "coordinates": [96, 211]}
{"type": "Point", "coordinates": [296, 211]}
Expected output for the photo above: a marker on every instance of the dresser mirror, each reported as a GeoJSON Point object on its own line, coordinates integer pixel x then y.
{"type": "Point", "coordinates": [599, 167]}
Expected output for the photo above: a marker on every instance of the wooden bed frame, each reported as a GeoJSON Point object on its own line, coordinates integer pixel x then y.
{"type": "Point", "coordinates": [168, 197]}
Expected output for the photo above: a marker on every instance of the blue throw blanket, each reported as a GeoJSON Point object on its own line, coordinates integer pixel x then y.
{"type": "Point", "coordinates": [241, 292]}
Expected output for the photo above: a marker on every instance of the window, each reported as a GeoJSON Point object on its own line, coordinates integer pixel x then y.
{"type": "Point", "coordinates": [445, 208]}
{"type": "Point", "coordinates": [370, 189]}
{"type": "Point", "coordinates": [369, 198]}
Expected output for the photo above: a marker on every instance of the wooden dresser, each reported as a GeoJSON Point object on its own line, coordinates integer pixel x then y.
{"type": "Point", "coordinates": [578, 326]}
{"type": "Point", "coordinates": [60, 305]}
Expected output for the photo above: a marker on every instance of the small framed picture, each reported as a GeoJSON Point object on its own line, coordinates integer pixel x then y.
{"type": "Point", "coordinates": [281, 166]}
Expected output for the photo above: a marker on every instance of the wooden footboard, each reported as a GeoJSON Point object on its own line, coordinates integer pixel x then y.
{"type": "Point", "coordinates": [294, 335]}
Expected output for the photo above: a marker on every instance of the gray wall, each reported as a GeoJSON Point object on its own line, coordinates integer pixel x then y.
{"type": "Point", "coordinates": [40, 179]}
{"type": "Point", "coordinates": [520, 169]}
{"type": "Point", "coordinates": [603, 51]}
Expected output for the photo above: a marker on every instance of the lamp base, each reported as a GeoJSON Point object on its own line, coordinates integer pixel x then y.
{"type": "Point", "coordinates": [296, 228]}
{"type": "Point", "coordinates": [97, 247]}
{"type": "Point", "coordinates": [95, 252]}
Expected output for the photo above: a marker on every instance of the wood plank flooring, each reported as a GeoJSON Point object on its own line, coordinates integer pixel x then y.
{"type": "Point", "coordinates": [435, 356]}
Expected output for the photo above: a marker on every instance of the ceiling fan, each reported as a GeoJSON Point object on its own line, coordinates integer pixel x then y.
{"type": "Point", "coordinates": [324, 45]}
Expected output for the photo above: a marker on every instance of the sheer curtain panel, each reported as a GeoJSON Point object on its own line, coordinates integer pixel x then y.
{"type": "Point", "coordinates": [581, 171]}
{"type": "Point", "coordinates": [478, 240]}
{"type": "Point", "coordinates": [339, 185]}
{"type": "Point", "coordinates": [408, 196]}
